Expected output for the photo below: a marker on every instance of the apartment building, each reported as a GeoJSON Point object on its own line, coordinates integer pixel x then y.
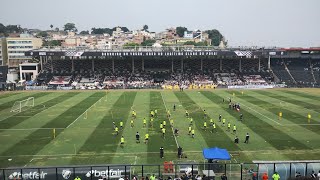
{"type": "Point", "coordinates": [1, 51]}
{"type": "Point", "coordinates": [14, 49]}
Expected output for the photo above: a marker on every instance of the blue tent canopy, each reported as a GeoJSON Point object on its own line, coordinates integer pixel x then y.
{"type": "Point", "coordinates": [216, 153]}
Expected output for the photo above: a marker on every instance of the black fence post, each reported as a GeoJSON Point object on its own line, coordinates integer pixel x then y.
{"type": "Point", "coordinates": [39, 173]}
{"type": "Point", "coordinates": [306, 174]}
{"type": "Point", "coordinates": [158, 171]}
{"type": "Point", "coordinates": [192, 171]}
{"type": "Point", "coordinates": [290, 170]}
{"type": "Point", "coordinates": [74, 172]}
{"type": "Point", "coordinates": [108, 172]}
{"type": "Point", "coordinates": [142, 170]}
{"type": "Point", "coordinates": [274, 167]}
{"type": "Point", "coordinates": [241, 166]}
{"type": "Point", "coordinates": [21, 174]}
{"type": "Point", "coordinates": [125, 172]}
{"type": "Point", "coordinates": [225, 168]}
{"type": "Point", "coordinates": [91, 172]}
{"type": "Point", "coordinates": [56, 173]}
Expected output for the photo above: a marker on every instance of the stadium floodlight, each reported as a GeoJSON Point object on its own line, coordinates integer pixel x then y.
{"type": "Point", "coordinates": [19, 105]}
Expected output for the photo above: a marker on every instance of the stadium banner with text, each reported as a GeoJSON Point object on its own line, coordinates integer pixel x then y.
{"type": "Point", "coordinates": [251, 87]}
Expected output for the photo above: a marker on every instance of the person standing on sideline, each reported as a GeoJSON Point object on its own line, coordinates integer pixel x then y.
{"type": "Point", "coordinates": [174, 107]}
{"type": "Point", "coordinates": [275, 176]}
{"type": "Point", "coordinates": [247, 138]}
{"type": "Point", "coordinates": [265, 176]}
{"type": "Point", "coordinates": [236, 140]}
{"type": "Point", "coordinates": [161, 152]}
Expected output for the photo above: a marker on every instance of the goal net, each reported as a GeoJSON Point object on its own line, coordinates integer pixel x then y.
{"type": "Point", "coordinates": [19, 105]}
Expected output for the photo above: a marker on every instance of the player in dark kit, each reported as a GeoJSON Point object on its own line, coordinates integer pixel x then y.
{"type": "Point", "coordinates": [137, 137]}
{"type": "Point", "coordinates": [161, 152]}
{"type": "Point", "coordinates": [241, 117]}
{"type": "Point", "coordinates": [247, 138]}
{"type": "Point", "coordinates": [174, 107]}
{"type": "Point", "coordinates": [220, 117]}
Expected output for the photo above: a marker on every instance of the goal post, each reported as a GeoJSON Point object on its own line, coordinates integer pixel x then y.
{"type": "Point", "coordinates": [19, 105]}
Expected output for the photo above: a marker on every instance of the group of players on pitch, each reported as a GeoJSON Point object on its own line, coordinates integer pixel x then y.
{"type": "Point", "coordinates": [191, 130]}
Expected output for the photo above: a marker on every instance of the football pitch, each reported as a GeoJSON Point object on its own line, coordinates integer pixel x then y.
{"type": "Point", "coordinates": [76, 127]}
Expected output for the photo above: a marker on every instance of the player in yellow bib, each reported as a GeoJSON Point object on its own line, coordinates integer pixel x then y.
{"type": "Point", "coordinates": [280, 115]}
{"type": "Point", "coordinates": [151, 122]}
{"type": "Point", "coordinates": [164, 123]}
{"type": "Point", "coordinates": [161, 126]}
{"type": "Point", "coordinates": [189, 129]}
{"type": "Point", "coordinates": [211, 121]}
{"type": "Point", "coordinates": [146, 138]}
{"type": "Point", "coordinates": [171, 122]}
{"type": "Point", "coordinates": [205, 125]}
{"type": "Point", "coordinates": [234, 129]}
{"type": "Point", "coordinates": [187, 113]}
{"type": "Point", "coordinates": [163, 132]}
{"type": "Point", "coordinates": [116, 130]}
{"type": "Point", "coordinates": [223, 121]}
{"type": "Point", "coordinates": [122, 140]}
{"type": "Point", "coordinates": [131, 123]}
{"type": "Point", "coordinates": [144, 122]}
{"type": "Point", "coordinates": [121, 125]}
{"type": "Point", "coordinates": [192, 133]}
{"type": "Point", "coordinates": [309, 117]}
{"type": "Point", "coordinates": [214, 128]}
{"type": "Point", "coordinates": [229, 126]}
{"type": "Point", "coordinates": [191, 121]}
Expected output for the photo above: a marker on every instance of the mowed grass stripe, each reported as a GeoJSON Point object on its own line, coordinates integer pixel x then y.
{"type": "Point", "coordinates": [287, 114]}
{"type": "Point", "coordinates": [8, 95]}
{"type": "Point", "coordinates": [9, 104]}
{"type": "Point", "coordinates": [197, 114]}
{"type": "Point", "coordinates": [20, 117]}
{"type": "Point", "coordinates": [155, 139]}
{"type": "Point", "coordinates": [103, 139]}
{"type": "Point", "coordinates": [34, 142]}
{"type": "Point", "coordinates": [274, 136]}
{"type": "Point", "coordinates": [305, 95]}
{"type": "Point", "coordinates": [296, 101]}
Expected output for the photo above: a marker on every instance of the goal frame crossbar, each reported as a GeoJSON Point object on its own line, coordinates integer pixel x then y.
{"type": "Point", "coordinates": [18, 105]}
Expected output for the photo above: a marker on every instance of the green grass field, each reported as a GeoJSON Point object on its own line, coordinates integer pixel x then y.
{"type": "Point", "coordinates": [84, 133]}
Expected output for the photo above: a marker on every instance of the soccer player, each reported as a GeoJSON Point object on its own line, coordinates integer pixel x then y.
{"type": "Point", "coordinates": [280, 115]}
{"type": "Point", "coordinates": [220, 117]}
{"type": "Point", "coordinates": [161, 152]}
{"type": "Point", "coordinates": [146, 138]}
{"type": "Point", "coordinates": [229, 126]}
{"type": "Point", "coordinates": [156, 113]}
{"type": "Point", "coordinates": [309, 117]}
{"type": "Point", "coordinates": [163, 132]}
{"type": "Point", "coordinates": [174, 107]}
{"type": "Point", "coordinates": [189, 129]}
{"type": "Point", "coordinates": [214, 128]}
{"type": "Point", "coordinates": [121, 125]}
{"type": "Point", "coordinates": [223, 121]}
{"type": "Point", "coordinates": [241, 117]}
{"type": "Point", "coordinates": [116, 130]}
{"type": "Point", "coordinates": [133, 113]}
{"type": "Point", "coordinates": [176, 131]}
{"type": "Point", "coordinates": [191, 121]}
{"type": "Point", "coordinates": [247, 138]}
{"type": "Point", "coordinates": [131, 123]}
{"type": "Point", "coordinates": [122, 140]}
{"type": "Point", "coordinates": [161, 126]}
{"type": "Point", "coordinates": [151, 122]}
{"type": "Point", "coordinates": [187, 113]}
{"type": "Point", "coordinates": [234, 129]}
{"type": "Point", "coordinates": [137, 137]}
{"type": "Point", "coordinates": [114, 125]}
{"type": "Point", "coordinates": [205, 125]}
{"type": "Point", "coordinates": [211, 121]}
{"type": "Point", "coordinates": [192, 133]}
{"type": "Point", "coordinates": [236, 140]}
{"type": "Point", "coordinates": [152, 114]}
{"type": "Point", "coordinates": [144, 122]}
{"type": "Point", "coordinates": [204, 114]}
{"type": "Point", "coordinates": [168, 114]}
{"type": "Point", "coordinates": [171, 122]}
{"type": "Point", "coordinates": [164, 123]}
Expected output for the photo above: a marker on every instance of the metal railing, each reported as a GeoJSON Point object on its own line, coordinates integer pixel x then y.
{"type": "Point", "coordinates": [167, 171]}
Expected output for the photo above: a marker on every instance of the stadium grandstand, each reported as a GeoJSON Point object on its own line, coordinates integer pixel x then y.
{"type": "Point", "coordinates": [172, 68]}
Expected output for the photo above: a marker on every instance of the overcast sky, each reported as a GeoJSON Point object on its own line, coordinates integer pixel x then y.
{"type": "Point", "coordinates": [284, 23]}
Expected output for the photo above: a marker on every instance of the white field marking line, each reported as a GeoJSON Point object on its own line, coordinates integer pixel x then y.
{"type": "Point", "coordinates": [135, 162]}
{"type": "Point", "coordinates": [83, 113]}
{"type": "Point", "coordinates": [175, 138]}
{"type": "Point", "coordinates": [28, 162]}
{"type": "Point", "coordinates": [300, 124]}
{"type": "Point", "coordinates": [27, 129]}
{"type": "Point", "coordinates": [261, 114]}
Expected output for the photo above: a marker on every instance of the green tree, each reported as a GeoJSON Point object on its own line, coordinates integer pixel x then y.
{"type": "Point", "coordinates": [70, 27]}
{"type": "Point", "coordinates": [180, 30]}
{"type": "Point", "coordinates": [52, 43]}
{"type": "Point", "coordinates": [145, 28]}
{"type": "Point", "coordinates": [215, 36]}
{"type": "Point", "coordinates": [101, 31]}
{"type": "Point", "coordinates": [125, 29]}
{"type": "Point", "coordinates": [2, 28]}
{"type": "Point", "coordinates": [43, 34]}
{"type": "Point", "coordinates": [148, 42]}
{"type": "Point", "coordinates": [84, 32]}
{"type": "Point", "coordinates": [13, 29]}
{"type": "Point", "coordinates": [57, 29]}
